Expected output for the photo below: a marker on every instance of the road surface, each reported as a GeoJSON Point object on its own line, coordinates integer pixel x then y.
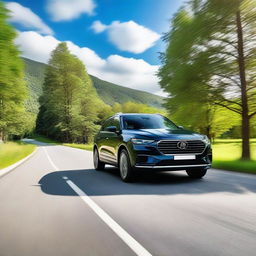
{"type": "Point", "coordinates": [57, 204]}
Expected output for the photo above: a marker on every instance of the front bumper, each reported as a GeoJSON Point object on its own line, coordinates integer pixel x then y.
{"type": "Point", "coordinates": [175, 167]}
{"type": "Point", "coordinates": [148, 157]}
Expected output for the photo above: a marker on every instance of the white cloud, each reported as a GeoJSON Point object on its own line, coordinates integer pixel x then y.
{"type": "Point", "coordinates": [128, 72]}
{"type": "Point", "coordinates": [24, 16]}
{"type": "Point", "coordinates": [35, 46]}
{"type": "Point", "coordinates": [128, 36]}
{"type": "Point", "coordinates": [98, 27]}
{"type": "Point", "coordinates": [61, 10]}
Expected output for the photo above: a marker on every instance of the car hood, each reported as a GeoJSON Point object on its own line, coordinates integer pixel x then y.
{"type": "Point", "coordinates": [158, 134]}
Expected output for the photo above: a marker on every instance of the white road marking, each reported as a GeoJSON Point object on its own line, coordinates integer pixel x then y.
{"type": "Point", "coordinates": [50, 160]}
{"type": "Point", "coordinates": [125, 236]}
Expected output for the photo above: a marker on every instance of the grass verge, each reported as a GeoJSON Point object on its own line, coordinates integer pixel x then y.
{"type": "Point", "coordinates": [80, 146]}
{"type": "Point", "coordinates": [236, 165]}
{"type": "Point", "coordinates": [12, 152]}
{"type": "Point", "coordinates": [227, 153]}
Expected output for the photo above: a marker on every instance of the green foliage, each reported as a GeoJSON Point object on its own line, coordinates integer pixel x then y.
{"type": "Point", "coordinates": [230, 149]}
{"type": "Point", "coordinates": [203, 66]}
{"type": "Point", "coordinates": [226, 154]}
{"type": "Point", "coordinates": [12, 152]}
{"type": "Point", "coordinates": [236, 166]}
{"type": "Point", "coordinates": [127, 107]}
{"type": "Point", "coordinates": [43, 139]}
{"type": "Point", "coordinates": [111, 93]}
{"type": "Point", "coordinates": [133, 107]}
{"type": "Point", "coordinates": [80, 146]}
{"type": "Point", "coordinates": [69, 104]}
{"type": "Point", "coordinates": [13, 91]}
{"type": "Point", "coordinates": [34, 74]}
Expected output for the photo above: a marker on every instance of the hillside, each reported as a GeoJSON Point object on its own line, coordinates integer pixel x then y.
{"type": "Point", "coordinates": [123, 94]}
{"type": "Point", "coordinates": [108, 92]}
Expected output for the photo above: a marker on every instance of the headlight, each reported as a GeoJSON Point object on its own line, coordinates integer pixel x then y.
{"type": "Point", "coordinates": [206, 140]}
{"type": "Point", "coordinates": [141, 141]}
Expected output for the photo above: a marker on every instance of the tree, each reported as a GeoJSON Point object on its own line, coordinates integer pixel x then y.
{"type": "Point", "coordinates": [133, 107]}
{"type": "Point", "coordinates": [13, 91]}
{"type": "Point", "coordinates": [68, 106]}
{"type": "Point", "coordinates": [210, 59]}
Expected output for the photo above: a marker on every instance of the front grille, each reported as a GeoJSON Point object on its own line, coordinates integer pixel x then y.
{"type": "Point", "coordinates": [170, 147]}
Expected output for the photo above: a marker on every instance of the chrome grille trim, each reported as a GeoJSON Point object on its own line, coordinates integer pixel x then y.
{"type": "Point", "coordinates": [169, 147]}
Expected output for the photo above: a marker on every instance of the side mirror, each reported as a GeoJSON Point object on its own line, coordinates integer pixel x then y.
{"type": "Point", "coordinates": [111, 129]}
{"type": "Point", "coordinates": [181, 127]}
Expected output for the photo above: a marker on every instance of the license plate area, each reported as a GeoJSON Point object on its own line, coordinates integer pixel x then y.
{"type": "Point", "coordinates": [184, 157]}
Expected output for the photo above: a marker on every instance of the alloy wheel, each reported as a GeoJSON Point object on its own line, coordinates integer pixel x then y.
{"type": "Point", "coordinates": [123, 166]}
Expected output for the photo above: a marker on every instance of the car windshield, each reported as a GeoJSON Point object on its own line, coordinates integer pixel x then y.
{"type": "Point", "coordinates": [136, 122]}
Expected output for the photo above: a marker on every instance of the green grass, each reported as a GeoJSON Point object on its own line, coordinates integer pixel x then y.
{"type": "Point", "coordinates": [231, 149]}
{"type": "Point", "coordinates": [12, 152]}
{"type": "Point", "coordinates": [80, 146]}
{"type": "Point", "coordinates": [236, 165]}
{"type": "Point", "coordinates": [227, 153]}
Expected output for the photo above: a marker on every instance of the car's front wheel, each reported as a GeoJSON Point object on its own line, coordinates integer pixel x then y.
{"type": "Point", "coordinates": [98, 165]}
{"type": "Point", "coordinates": [126, 170]}
{"type": "Point", "coordinates": [196, 173]}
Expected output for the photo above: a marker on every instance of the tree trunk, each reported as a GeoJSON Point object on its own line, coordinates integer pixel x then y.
{"type": "Point", "coordinates": [1, 136]}
{"type": "Point", "coordinates": [245, 110]}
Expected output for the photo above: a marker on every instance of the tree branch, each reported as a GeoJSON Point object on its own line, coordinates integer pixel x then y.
{"type": "Point", "coordinates": [252, 114]}
{"type": "Point", "coordinates": [230, 108]}
{"type": "Point", "coordinates": [233, 102]}
{"type": "Point", "coordinates": [230, 78]}
{"type": "Point", "coordinates": [232, 43]}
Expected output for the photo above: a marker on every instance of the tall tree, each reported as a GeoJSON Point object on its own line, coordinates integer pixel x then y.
{"type": "Point", "coordinates": [217, 64]}
{"type": "Point", "coordinates": [69, 102]}
{"type": "Point", "coordinates": [13, 90]}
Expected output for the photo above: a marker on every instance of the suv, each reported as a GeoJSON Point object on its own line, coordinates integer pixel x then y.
{"type": "Point", "coordinates": [150, 141]}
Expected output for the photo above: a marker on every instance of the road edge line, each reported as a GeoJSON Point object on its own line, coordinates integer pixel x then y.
{"type": "Point", "coordinates": [134, 245]}
{"type": "Point", "coordinates": [12, 167]}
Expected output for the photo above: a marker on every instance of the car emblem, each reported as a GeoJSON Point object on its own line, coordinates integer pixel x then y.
{"type": "Point", "coordinates": [182, 145]}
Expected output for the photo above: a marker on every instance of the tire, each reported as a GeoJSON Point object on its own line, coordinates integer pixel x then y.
{"type": "Point", "coordinates": [196, 173]}
{"type": "Point", "coordinates": [98, 165]}
{"type": "Point", "coordinates": [126, 170]}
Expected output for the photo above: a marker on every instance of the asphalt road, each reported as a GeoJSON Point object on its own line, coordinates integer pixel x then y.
{"type": "Point", "coordinates": [41, 212]}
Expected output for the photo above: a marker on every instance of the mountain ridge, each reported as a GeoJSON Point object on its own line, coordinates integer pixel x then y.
{"type": "Point", "coordinates": [34, 75]}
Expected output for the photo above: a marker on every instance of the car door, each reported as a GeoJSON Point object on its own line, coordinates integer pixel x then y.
{"type": "Point", "coordinates": [114, 138]}
{"type": "Point", "coordinates": [103, 141]}
{"type": "Point", "coordinates": [110, 141]}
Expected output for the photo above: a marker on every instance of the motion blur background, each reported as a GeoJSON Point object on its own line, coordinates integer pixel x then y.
{"type": "Point", "coordinates": [203, 78]}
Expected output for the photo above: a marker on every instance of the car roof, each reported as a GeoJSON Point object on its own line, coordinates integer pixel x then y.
{"type": "Point", "coordinates": [134, 114]}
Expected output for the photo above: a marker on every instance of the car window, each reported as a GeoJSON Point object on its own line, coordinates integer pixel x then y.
{"type": "Point", "coordinates": [107, 123]}
{"type": "Point", "coordinates": [116, 122]}
{"type": "Point", "coordinates": [136, 122]}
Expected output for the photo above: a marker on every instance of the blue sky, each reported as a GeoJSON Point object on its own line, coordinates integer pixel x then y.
{"type": "Point", "coordinates": [126, 34]}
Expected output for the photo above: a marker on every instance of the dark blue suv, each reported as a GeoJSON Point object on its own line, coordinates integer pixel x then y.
{"type": "Point", "coordinates": [150, 141]}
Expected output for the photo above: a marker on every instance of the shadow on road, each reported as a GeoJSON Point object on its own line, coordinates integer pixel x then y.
{"type": "Point", "coordinates": [100, 183]}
